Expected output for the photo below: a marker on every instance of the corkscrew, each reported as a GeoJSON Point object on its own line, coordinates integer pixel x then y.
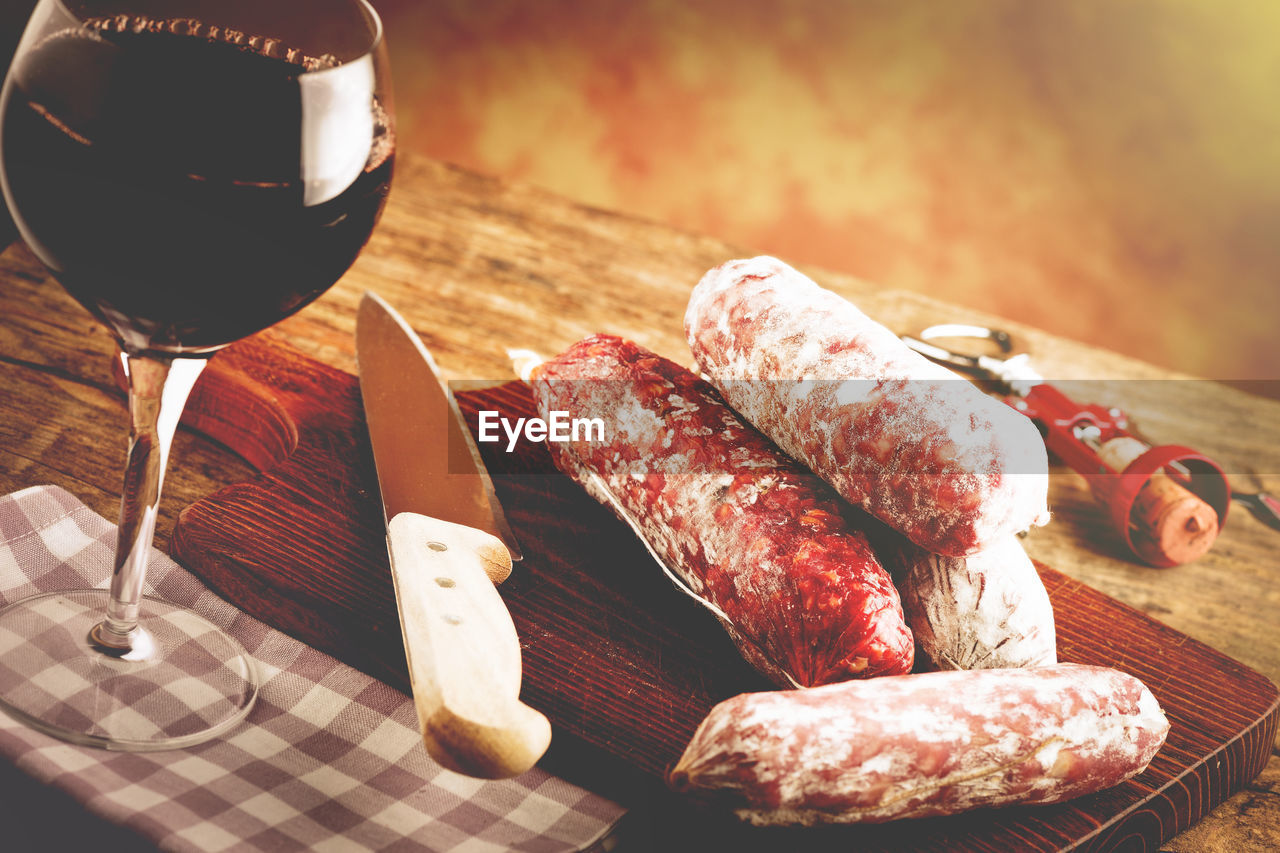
{"type": "Point", "coordinates": [1167, 501]}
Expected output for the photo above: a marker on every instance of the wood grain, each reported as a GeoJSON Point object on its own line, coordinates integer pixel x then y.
{"type": "Point", "coordinates": [622, 664]}
{"type": "Point", "coordinates": [478, 265]}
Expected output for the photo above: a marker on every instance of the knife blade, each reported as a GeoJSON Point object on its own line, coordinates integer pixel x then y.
{"type": "Point", "coordinates": [448, 544]}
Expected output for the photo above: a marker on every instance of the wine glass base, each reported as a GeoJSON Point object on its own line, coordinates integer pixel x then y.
{"type": "Point", "coordinates": [195, 683]}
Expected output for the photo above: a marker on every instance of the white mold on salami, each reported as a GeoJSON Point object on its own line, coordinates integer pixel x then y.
{"type": "Point", "coordinates": [906, 439]}
{"type": "Point", "coordinates": [923, 745]}
{"type": "Point", "coordinates": [989, 610]}
{"type": "Point", "coordinates": [741, 525]}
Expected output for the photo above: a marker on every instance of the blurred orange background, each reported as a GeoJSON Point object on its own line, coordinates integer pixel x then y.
{"type": "Point", "coordinates": [1109, 171]}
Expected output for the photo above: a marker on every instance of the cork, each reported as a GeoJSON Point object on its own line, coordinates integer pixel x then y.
{"type": "Point", "coordinates": [1168, 523]}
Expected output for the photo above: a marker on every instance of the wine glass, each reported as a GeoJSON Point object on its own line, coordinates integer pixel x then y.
{"type": "Point", "coordinates": [191, 171]}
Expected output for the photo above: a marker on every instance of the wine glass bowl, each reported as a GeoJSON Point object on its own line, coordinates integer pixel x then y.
{"type": "Point", "coordinates": [191, 182]}
{"type": "Point", "coordinates": [192, 172]}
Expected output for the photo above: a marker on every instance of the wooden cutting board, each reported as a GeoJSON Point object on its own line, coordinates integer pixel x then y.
{"type": "Point", "coordinates": [624, 665]}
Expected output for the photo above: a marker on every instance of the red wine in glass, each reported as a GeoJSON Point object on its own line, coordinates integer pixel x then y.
{"type": "Point", "coordinates": [13, 14]}
{"type": "Point", "coordinates": [160, 175]}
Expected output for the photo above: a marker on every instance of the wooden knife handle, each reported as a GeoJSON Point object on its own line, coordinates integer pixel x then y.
{"type": "Point", "coordinates": [462, 648]}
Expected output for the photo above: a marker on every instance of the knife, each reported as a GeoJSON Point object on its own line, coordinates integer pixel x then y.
{"type": "Point", "coordinates": [448, 543]}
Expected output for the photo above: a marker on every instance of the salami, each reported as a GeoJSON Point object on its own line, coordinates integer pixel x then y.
{"type": "Point", "coordinates": [985, 611]}
{"type": "Point", "coordinates": [928, 744]}
{"type": "Point", "coordinates": [744, 527]}
{"type": "Point", "coordinates": [908, 441]}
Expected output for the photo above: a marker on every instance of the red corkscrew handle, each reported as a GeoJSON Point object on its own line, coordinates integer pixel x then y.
{"type": "Point", "coordinates": [1165, 518]}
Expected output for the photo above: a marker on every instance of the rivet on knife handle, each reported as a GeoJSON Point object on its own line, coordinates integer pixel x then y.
{"type": "Point", "coordinates": [462, 649]}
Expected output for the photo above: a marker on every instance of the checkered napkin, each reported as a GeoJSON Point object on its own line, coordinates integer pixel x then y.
{"type": "Point", "coordinates": [329, 758]}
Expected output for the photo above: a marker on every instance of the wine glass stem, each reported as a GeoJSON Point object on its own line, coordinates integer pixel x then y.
{"type": "Point", "coordinates": [158, 389]}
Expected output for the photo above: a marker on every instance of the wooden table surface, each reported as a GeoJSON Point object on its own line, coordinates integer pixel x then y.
{"type": "Point", "coordinates": [479, 266]}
